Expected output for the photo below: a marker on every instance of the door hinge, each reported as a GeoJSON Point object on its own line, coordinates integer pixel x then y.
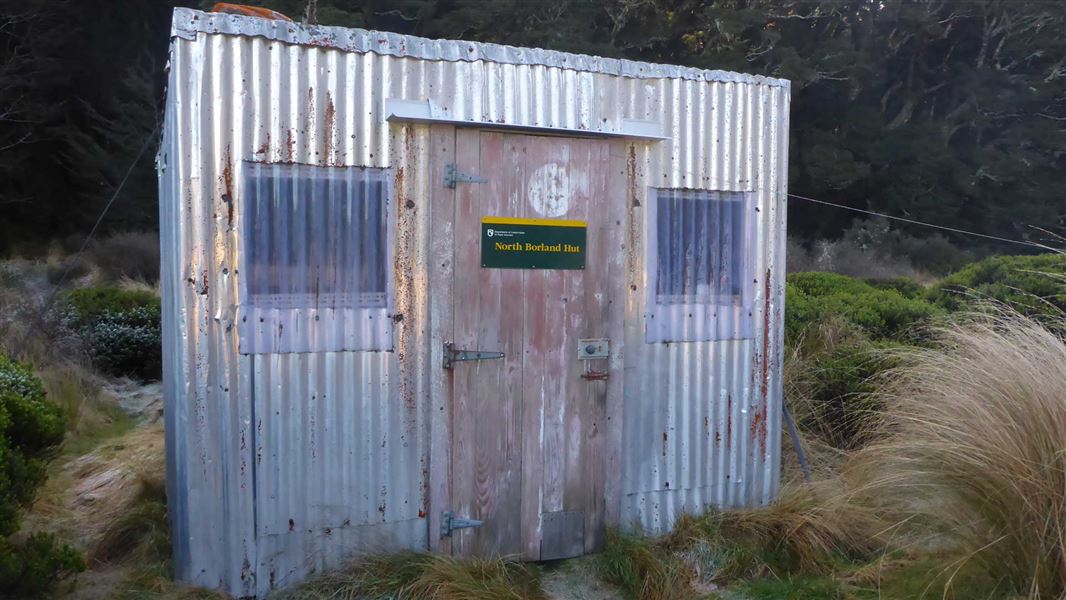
{"type": "Point", "coordinates": [453, 176]}
{"type": "Point", "coordinates": [453, 355]}
{"type": "Point", "coordinates": [449, 523]}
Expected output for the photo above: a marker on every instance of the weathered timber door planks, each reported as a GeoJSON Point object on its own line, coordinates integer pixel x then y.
{"type": "Point", "coordinates": [529, 432]}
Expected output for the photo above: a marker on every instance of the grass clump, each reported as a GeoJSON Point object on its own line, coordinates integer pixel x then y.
{"type": "Point", "coordinates": [976, 449]}
{"type": "Point", "coordinates": [643, 568]}
{"type": "Point", "coordinates": [141, 531]}
{"type": "Point", "coordinates": [810, 530]}
{"type": "Point", "coordinates": [417, 576]}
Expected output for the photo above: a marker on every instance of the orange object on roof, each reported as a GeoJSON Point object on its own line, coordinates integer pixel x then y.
{"type": "Point", "coordinates": [250, 11]}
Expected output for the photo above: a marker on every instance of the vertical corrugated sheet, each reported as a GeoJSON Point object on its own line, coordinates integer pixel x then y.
{"type": "Point", "coordinates": [702, 422]}
{"type": "Point", "coordinates": [282, 464]}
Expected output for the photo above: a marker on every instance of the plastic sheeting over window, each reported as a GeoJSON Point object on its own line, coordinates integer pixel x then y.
{"type": "Point", "coordinates": [698, 249]}
{"type": "Point", "coordinates": [315, 244]}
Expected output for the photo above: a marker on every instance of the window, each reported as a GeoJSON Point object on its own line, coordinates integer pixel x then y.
{"type": "Point", "coordinates": [315, 243]}
{"type": "Point", "coordinates": [698, 256]}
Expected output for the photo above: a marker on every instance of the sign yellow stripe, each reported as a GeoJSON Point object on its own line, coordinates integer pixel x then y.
{"type": "Point", "coordinates": [546, 222]}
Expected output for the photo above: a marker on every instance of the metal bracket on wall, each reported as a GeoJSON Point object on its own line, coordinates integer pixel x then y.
{"type": "Point", "coordinates": [453, 355]}
{"type": "Point", "coordinates": [453, 176]}
{"type": "Point", "coordinates": [449, 523]}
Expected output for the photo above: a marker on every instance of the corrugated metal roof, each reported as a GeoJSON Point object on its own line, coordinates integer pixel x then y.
{"type": "Point", "coordinates": [188, 22]}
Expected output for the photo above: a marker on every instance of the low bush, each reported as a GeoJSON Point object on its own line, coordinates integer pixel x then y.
{"type": "Point", "coordinates": [882, 314]}
{"type": "Point", "coordinates": [34, 567]}
{"type": "Point", "coordinates": [121, 328]}
{"type": "Point", "coordinates": [973, 458]}
{"type": "Point", "coordinates": [1032, 285]}
{"type": "Point", "coordinates": [30, 427]}
{"type": "Point", "coordinates": [873, 248]}
{"type": "Point", "coordinates": [89, 304]}
{"type": "Point", "coordinates": [907, 287]}
{"type": "Point", "coordinates": [132, 255]}
{"type": "Point", "coordinates": [128, 343]}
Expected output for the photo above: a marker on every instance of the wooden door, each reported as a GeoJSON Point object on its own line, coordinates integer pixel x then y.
{"type": "Point", "coordinates": [529, 431]}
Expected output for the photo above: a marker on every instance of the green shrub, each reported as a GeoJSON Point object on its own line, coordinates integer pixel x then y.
{"type": "Point", "coordinates": [89, 304]}
{"type": "Point", "coordinates": [121, 328]}
{"type": "Point", "coordinates": [34, 567]}
{"type": "Point", "coordinates": [128, 343]}
{"type": "Point", "coordinates": [30, 427]}
{"type": "Point", "coordinates": [1032, 285]}
{"type": "Point", "coordinates": [907, 287]}
{"type": "Point", "coordinates": [883, 314]}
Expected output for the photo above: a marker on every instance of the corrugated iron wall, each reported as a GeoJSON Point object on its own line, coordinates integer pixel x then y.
{"type": "Point", "coordinates": [702, 420]}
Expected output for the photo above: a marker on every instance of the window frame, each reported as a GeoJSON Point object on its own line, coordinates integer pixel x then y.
{"type": "Point", "coordinates": [716, 316]}
{"type": "Point", "coordinates": [349, 326]}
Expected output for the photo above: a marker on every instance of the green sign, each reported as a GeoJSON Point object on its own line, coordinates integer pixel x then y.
{"type": "Point", "coordinates": [532, 243]}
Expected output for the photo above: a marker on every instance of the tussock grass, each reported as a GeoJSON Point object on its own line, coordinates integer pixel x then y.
{"type": "Point", "coordinates": [811, 529]}
{"type": "Point", "coordinates": [154, 582]}
{"type": "Point", "coordinates": [88, 496]}
{"type": "Point", "coordinates": [419, 576]}
{"type": "Point", "coordinates": [141, 531]}
{"type": "Point", "coordinates": [976, 449]}
{"type": "Point", "coordinates": [644, 568]}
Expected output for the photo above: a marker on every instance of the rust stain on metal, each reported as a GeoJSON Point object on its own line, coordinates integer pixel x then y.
{"type": "Point", "coordinates": [329, 130]}
{"type": "Point", "coordinates": [632, 261]}
{"type": "Point", "coordinates": [290, 147]}
{"type": "Point", "coordinates": [400, 184]}
{"type": "Point", "coordinates": [758, 429]}
{"type": "Point", "coordinates": [404, 271]}
{"type": "Point", "coordinates": [764, 383]}
{"type": "Point", "coordinates": [729, 421]}
{"type": "Point", "coordinates": [631, 175]}
{"type": "Point", "coordinates": [423, 487]}
{"type": "Point", "coordinates": [265, 148]}
{"type": "Point", "coordinates": [226, 180]}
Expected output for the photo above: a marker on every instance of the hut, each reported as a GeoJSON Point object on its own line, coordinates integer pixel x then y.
{"type": "Point", "coordinates": [458, 297]}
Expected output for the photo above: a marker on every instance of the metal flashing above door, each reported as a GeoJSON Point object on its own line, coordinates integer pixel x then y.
{"type": "Point", "coordinates": [428, 111]}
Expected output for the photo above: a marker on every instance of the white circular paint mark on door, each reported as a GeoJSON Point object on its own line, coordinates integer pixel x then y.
{"type": "Point", "coordinates": [549, 190]}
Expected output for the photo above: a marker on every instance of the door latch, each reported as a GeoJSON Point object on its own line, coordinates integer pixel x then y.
{"type": "Point", "coordinates": [449, 523]}
{"type": "Point", "coordinates": [453, 355]}
{"type": "Point", "coordinates": [453, 176]}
